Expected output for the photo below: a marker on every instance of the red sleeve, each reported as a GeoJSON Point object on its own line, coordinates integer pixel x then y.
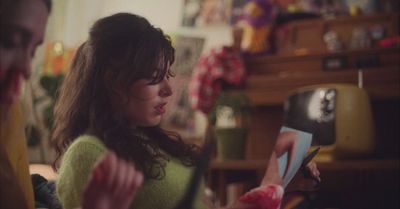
{"type": "Point", "coordinates": [264, 197]}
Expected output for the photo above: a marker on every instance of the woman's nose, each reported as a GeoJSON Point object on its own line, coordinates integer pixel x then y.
{"type": "Point", "coordinates": [23, 64]}
{"type": "Point", "coordinates": [166, 89]}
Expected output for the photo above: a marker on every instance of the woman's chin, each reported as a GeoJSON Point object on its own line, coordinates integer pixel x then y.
{"type": "Point", "coordinates": [10, 90]}
{"type": "Point", "coordinates": [149, 123]}
{"type": "Point", "coordinates": [154, 123]}
{"type": "Point", "coordinates": [8, 97]}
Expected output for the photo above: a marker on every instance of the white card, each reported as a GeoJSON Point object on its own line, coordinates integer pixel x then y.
{"type": "Point", "coordinates": [303, 144]}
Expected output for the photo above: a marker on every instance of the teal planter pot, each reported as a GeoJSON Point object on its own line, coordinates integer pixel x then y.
{"type": "Point", "coordinates": [230, 143]}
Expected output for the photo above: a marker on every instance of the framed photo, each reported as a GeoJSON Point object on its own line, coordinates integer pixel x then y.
{"type": "Point", "coordinates": [180, 115]}
{"type": "Point", "coordinates": [191, 10]}
{"type": "Point", "coordinates": [211, 12]}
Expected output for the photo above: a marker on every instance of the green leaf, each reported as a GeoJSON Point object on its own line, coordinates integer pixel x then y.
{"type": "Point", "coordinates": [50, 84]}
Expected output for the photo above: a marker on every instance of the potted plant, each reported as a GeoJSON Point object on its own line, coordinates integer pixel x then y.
{"type": "Point", "coordinates": [43, 105]}
{"type": "Point", "coordinates": [230, 116]}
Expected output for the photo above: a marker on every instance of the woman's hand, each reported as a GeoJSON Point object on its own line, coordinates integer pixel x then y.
{"type": "Point", "coordinates": [269, 194]}
{"type": "Point", "coordinates": [113, 184]}
{"type": "Point", "coordinates": [306, 179]}
{"type": "Point", "coordinates": [271, 175]}
{"type": "Point", "coordinates": [313, 171]}
{"type": "Point", "coordinates": [286, 142]}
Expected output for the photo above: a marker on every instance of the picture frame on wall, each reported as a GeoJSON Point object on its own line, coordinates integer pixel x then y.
{"type": "Point", "coordinates": [200, 13]}
{"type": "Point", "coordinates": [191, 10]}
{"type": "Point", "coordinates": [180, 115]}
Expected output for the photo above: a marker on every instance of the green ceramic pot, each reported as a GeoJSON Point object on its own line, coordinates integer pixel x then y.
{"type": "Point", "coordinates": [230, 143]}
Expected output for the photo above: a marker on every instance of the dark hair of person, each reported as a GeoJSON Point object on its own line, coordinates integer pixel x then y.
{"type": "Point", "coordinates": [121, 49]}
{"type": "Point", "coordinates": [7, 6]}
{"type": "Point", "coordinates": [48, 4]}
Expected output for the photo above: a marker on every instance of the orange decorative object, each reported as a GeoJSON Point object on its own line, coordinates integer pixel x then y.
{"type": "Point", "coordinates": [57, 58]}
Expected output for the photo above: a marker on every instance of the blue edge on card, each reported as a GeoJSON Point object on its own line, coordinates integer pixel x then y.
{"type": "Point", "coordinates": [304, 144]}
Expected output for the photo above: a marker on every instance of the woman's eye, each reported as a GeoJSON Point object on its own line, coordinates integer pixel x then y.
{"type": "Point", "coordinates": [11, 40]}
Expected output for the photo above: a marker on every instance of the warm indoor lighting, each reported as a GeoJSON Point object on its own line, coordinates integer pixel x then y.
{"type": "Point", "coordinates": [44, 170]}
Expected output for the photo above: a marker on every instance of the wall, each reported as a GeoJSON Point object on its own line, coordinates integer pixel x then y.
{"type": "Point", "coordinates": [70, 21]}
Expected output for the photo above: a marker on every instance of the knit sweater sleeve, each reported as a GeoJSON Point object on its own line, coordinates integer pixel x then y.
{"type": "Point", "coordinates": [75, 169]}
{"type": "Point", "coordinates": [13, 143]}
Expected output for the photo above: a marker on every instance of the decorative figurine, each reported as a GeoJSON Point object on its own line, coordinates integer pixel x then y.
{"type": "Point", "coordinates": [257, 27]}
{"type": "Point", "coordinates": [360, 39]}
{"type": "Point", "coordinates": [377, 32]}
{"type": "Point", "coordinates": [333, 44]}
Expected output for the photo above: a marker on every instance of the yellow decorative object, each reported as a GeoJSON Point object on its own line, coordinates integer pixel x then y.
{"type": "Point", "coordinates": [355, 10]}
{"type": "Point", "coordinates": [254, 39]}
{"type": "Point", "coordinates": [257, 27]}
{"type": "Point", "coordinates": [294, 8]}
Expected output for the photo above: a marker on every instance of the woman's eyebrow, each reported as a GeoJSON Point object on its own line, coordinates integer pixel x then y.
{"type": "Point", "coordinates": [24, 32]}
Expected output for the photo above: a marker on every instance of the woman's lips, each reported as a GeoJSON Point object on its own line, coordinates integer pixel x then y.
{"type": "Point", "coordinates": [160, 109]}
{"type": "Point", "coordinates": [11, 89]}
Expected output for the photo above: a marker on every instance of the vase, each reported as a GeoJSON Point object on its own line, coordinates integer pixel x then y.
{"type": "Point", "coordinates": [230, 143]}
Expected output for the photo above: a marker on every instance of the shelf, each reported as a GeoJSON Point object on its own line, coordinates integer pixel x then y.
{"type": "Point", "coordinates": [305, 37]}
{"type": "Point", "coordinates": [380, 83]}
{"type": "Point", "coordinates": [358, 183]}
{"type": "Point", "coordinates": [348, 179]}
{"type": "Point", "coordinates": [256, 63]}
{"type": "Point", "coordinates": [271, 79]}
{"type": "Point", "coordinates": [345, 165]}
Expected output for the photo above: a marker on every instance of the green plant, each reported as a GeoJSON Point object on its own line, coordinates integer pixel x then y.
{"type": "Point", "coordinates": [237, 104]}
{"type": "Point", "coordinates": [230, 116]}
{"type": "Point", "coordinates": [50, 85]}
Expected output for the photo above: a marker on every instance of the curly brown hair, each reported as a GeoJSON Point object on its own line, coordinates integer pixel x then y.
{"type": "Point", "coordinates": [120, 50]}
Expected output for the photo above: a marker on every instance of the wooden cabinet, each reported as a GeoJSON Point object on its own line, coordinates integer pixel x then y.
{"type": "Point", "coordinates": [348, 184]}
{"type": "Point", "coordinates": [272, 78]}
{"type": "Point", "coordinates": [267, 91]}
{"type": "Point", "coordinates": [306, 36]}
{"type": "Point", "coordinates": [360, 183]}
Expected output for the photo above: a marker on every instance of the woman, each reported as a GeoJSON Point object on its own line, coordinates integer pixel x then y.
{"type": "Point", "coordinates": [113, 98]}
{"type": "Point", "coordinates": [22, 27]}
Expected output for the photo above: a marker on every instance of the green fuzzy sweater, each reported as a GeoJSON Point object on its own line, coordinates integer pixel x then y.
{"type": "Point", "coordinates": [154, 194]}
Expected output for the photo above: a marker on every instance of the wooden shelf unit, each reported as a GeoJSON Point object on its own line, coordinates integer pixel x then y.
{"type": "Point", "coordinates": [273, 78]}
{"type": "Point", "coordinates": [355, 179]}
{"type": "Point", "coordinates": [343, 165]}
{"type": "Point", "coordinates": [351, 184]}
{"type": "Point", "coordinates": [268, 90]}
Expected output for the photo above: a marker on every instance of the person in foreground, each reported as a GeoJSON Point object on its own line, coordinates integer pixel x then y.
{"type": "Point", "coordinates": [113, 98]}
{"type": "Point", "coordinates": [22, 26]}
